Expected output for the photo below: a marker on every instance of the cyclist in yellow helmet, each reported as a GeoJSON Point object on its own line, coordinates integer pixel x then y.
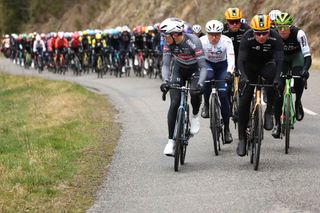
{"type": "Point", "coordinates": [260, 53]}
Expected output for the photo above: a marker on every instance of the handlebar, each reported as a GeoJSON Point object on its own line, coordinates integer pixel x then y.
{"type": "Point", "coordinates": [183, 88]}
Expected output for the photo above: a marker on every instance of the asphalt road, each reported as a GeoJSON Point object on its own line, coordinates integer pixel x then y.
{"type": "Point", "coordinates": [141, 179]}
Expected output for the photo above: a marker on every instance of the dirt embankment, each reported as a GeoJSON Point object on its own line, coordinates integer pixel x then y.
{"type": "Point", "coordinates": [111, 13]}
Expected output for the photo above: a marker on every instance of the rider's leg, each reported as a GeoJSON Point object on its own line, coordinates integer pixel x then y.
{"type": "Point", "coordinates": [207, 92]}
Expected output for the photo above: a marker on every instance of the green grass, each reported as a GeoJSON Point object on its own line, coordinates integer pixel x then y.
{"type": "Point", "coordinates": [56, 139]}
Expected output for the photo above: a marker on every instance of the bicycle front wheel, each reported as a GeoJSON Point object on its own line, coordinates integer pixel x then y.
{"type": "Point", "coordinates": [287, 115]}
{"type": "Point", "coordinates": [178, 138]}
{"type": "Point", "coordinates": [258, 134]}
{"type": "Point", "coordinates": [214, 117]}
{"type": "Point", "coordinates": [186, 132]}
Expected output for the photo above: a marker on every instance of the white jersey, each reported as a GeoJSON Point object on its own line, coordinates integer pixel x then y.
{"type": "Point", "coordinates": [219, 52]}
{"type": "Point", "coordinates": [39, 44]}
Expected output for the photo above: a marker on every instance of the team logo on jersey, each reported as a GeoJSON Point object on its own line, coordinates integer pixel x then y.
{"type": "Point", "coordinates": [256, 48]}
{"type": "Point", "coordinates": [191, 44]}
{"type": "Point", "coordinates": [303, 41]}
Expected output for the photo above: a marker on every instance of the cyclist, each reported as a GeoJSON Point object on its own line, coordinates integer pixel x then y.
{"type": "Point", "coordinates": [61, 46]}
{"type": "Point", "coordinates": [297, 57]}
{"type": "Point", "coordinates": [124, 45]}
{"type": "Point", "coordinates": [219, 55]}
{"type": "Point", "coordinates": [39, 47]}
{"type": "Point", "coordinates": [196, 29]}
{"type": "Point", "coordinates": [138, 42]}
{"type": "Point", "coordinates": [99, 47]}
{"type": "Point", "coordinates": [188, 64]}
{"type": "Point", "coordinates": [260, 53]}
{"type": "Point", "coordinates": [76, 46]}
{"type": "Point", "coordinates": [234, 28]}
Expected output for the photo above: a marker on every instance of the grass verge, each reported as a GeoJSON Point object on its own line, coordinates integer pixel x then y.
{"type": "Point", "coordinates": [56, 139]}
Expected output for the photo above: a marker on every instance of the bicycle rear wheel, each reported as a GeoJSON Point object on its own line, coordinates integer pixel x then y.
{"type": "Point", "coordinates": [178, 138]}
{"type": "Point", "coordinates": [214, 117]}
{"type": "Point", "coordinates": [287, 115]}
{"type": "Point", "coordinates": [257, 137]}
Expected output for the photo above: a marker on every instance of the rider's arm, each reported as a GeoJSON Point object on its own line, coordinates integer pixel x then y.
{"type": "Point", "coordinates": [305, 49]}
{"type": "Point", "coordinates": [167, 56]}
{"type": "Point", "coordinates": [43, 46]}
{"type": "Point", "coordinates": [278, 55]}
{"type": "Point", "coordinates": [242, 56]}
{"type": "Point", "coordinates": [34, 49]}
{"type": "Point", "coordinates": [230, 55]}
{"type": "Point", "coordinates": [201, 61]}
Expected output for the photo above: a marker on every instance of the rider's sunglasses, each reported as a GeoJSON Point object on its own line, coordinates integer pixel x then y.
{"type": "Point", "coordinates": [283, 27]}
{"type": "Point", "coordinates": [234, 22]}
{"type": "Point", "coordinates": [261, 33]}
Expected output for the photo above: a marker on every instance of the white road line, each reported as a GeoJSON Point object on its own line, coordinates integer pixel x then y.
{"type": "Point", "coordinates": [309, 111]}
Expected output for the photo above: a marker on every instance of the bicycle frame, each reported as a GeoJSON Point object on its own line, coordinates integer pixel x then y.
{"type": "Point", "coordinates": [255, 133]}
{"type": "Point", "coordinates": [288, 94]}
{"type": "Point", "coordinates": [216, 123]}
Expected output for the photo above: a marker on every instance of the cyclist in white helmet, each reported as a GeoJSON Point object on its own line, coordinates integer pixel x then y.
{"type": "Point", "coordinates": [188, 64]}
{"type": "Point", "coordinates": [220, 60]}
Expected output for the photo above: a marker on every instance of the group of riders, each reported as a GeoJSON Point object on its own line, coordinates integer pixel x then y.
{"type": "Point", "coordinates": [120, 50]}
{"type": "Point", "coordinates": [268, 47]}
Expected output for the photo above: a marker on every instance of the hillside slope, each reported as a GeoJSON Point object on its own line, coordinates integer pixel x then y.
{"type": "Point", "coordinates": [69, 15]}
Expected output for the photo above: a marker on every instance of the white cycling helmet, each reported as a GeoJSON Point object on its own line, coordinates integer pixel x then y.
{"type": "Point", "coordinates": [172, 25]}
{"type": "Point", "coordinates": [196, 28]}
{"type": "Point", "coordinates": [61, 35]}
{"type": "Point", "coordinates": [38, 38]}
{"type": "Point", "coordinates": [214, 26]}
{"type": "Point", "coordinates": [125, 28]}
{"type": "Point", "coordinates": [273, 14]}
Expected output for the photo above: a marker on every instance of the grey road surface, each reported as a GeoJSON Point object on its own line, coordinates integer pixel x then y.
{"type": "Point", "coordinates": [141, 179]}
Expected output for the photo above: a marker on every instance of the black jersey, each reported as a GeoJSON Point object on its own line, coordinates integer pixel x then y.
{"type": "Point", "coordinates": [251, 51]}
{"type": "Point", "coordinates": [236, 37]}
{"type": "Point", "coordinates": [296, 42]}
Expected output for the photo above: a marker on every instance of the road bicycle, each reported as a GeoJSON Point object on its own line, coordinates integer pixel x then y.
{"type": "Point", "coordinates": [235, 99]}
{"type": "Point", "coordinates": [216, 121]}
{"type": "Point", "coordinates": [288, 116]}
{"type": "Point", "coordinates": [255, 124]}
{"type": "Point", "coordinates": [182, 127]}
{"type": "Point", "coordinates": [99, 67]}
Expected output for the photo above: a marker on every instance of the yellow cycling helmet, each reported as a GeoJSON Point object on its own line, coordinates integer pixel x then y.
{"type": "Point", "coordinates": [260, 22]}
{"type": "Point", "coordinates": [98, 36]}
{"type": "Point", "coordinates": [233, 14]}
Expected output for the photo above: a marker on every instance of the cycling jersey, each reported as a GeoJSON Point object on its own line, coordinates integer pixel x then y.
{"type": "Point", "coordinates": [236, 37]}
{"type": "Point", "coordinates": [39, 45]}
{"type": "Point", "coordinates": [219, 52]}
{"type": "Point", "coordinates": [251, 51]}
{"type": "Point", "coordinates": [188, 52]}
{"type": "Point", "coordinates": [296, 42]}
{"type": "Point", "coordinates": [139, 41]}
{"type": "Point", "coordinates": [61, 43]}
{"type": "Point", "coordinates": [75, 43]}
